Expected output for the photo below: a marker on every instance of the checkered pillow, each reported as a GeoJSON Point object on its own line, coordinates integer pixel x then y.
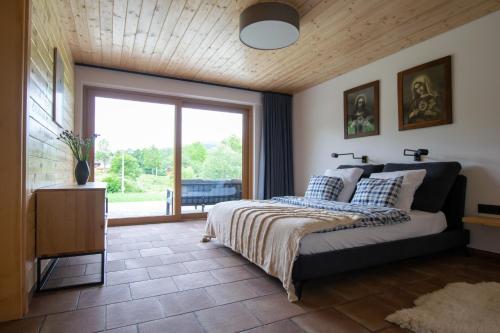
{"type": "Point", "coordinates": [377, 192]}
{"type": "Point", "coordinates": [324, 188]}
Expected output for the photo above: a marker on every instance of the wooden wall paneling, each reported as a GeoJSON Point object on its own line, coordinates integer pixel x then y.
{"type": "Point", "coordinates": [166, 30]}
{"type": "Point", "coordinates": [48, 161]}
{"type": "Point", "coordinates": [198, 39]}
{"type": "Point", "coordinates": [231, 34]}
{"type": "Point", "coordinates": [118, 29]}
{"type": "Point", "coordinates": [348, 53]}
{"type": "Point", "coordinates": [351, 37]}
{"type": "Point", "coordinates": [451, 20]}
{"type": "Point", "coordinates": [68, 22]}
{"type": "Point", "coordinates": [251, 59]}
{"type": "Point", "coordinates": [131, 20]}
{"type": "Point", "coordinates": [157, 22]}
{"type": "Point", "coordinates": [314, 36]}
{"type": "Point", "coordinates": [106, 24]}
{"type": "Point", "coordinates": [375, 17]}
{"type": "Point", "coordinates": [311, 31]}
{"type": "Point", "coordinates": [306, 6]}
{"type": "Point", "coordinates": [208, 46]}
{"type": "Point", "coordinates": [188, 13]}
{"type": "Point", "coordinates": [233, 31]}
{"type": "Point", "coordinates": [230, 49]}
{"type": "Point", "coordinates": [352, 48]}
{"type": "Point", "coordinates": [203, 14]}
{"type": "Point", "coordinates": [38, 85]}
{"type": "Point", "coordinates": [78, 9]}
{"type": "Point", "coordinates": [143, 25]}
{"type": "Point", "coordinates": [390, 42]}
{"type": "Point", "coordinates": [203, 62]}
{"type": "Point", "coordinates": [245, 61]}
{"type": "Point", "coordinates": [94, 28]}
{"type": "Point", "coordinates": [216, 15]}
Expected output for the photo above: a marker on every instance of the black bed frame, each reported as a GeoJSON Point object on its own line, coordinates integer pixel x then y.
{"type": "Point", "coordinates": [308, 267]}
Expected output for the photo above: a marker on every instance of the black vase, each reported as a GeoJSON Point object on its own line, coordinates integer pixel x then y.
{"type": "Point", "coordinates": [82, 172]}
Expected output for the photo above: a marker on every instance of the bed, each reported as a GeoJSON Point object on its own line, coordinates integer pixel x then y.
{"type": "Point", "coordinates": [436, 228]}
{"type": "Point", "coordinates": [421, 224]}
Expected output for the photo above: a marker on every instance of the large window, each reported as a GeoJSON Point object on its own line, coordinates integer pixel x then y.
{"type": "Point", "coordinates": [166, 158]}
{"type": "Point", "coordinates": [212, 158]}
{"type": "Point", "coordinates": [134, 155]}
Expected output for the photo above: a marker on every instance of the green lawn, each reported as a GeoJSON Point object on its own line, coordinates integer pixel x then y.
{"type": "Point", "coordinates": [151, 183]}
{"type": "Point", "coordinates": [153, 188]}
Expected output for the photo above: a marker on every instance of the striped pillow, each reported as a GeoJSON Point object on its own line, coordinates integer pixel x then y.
{"type": "Point", "coordinates": [324, 188]}
{"type": "Point", "coordinates": [378, 192]}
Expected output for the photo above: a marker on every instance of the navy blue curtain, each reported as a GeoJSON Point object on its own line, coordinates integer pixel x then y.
{"type": "Point", "coordinates": [277, 150]}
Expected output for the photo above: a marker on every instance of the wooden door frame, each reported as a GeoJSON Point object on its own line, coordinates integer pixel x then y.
{"type": "Point", "coordinates": [14, 291]}
{"type": "Point", "coordinates": [88, 128]}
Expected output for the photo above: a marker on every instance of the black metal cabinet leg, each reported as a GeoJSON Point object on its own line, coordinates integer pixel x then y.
{"type": "Point", "coordinates": [38, 274]}
{"type": "Point", "coordinates": [42, 279]}
{"type": "Point", "coordinates": [103, 260]}
{"type": "Point", "coordinates": [298, 288]}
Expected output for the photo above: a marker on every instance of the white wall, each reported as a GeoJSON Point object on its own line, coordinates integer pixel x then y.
{"type": "Point", "coordinates": [143, 83]}
{"type": "Point", "coordinates": [473, 139]}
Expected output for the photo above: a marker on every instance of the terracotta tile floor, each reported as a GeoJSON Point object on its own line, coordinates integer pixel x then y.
{"type": "Point", "coordinates": [159, 278]}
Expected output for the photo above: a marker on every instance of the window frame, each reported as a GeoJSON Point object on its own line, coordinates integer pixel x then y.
{"type": "Point", "coordinates": [90, 93]}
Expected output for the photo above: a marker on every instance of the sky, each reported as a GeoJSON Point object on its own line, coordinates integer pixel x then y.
{"type": "Point", "coordinates": [130, 124]}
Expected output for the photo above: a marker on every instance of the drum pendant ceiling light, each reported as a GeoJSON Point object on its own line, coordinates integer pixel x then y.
{"type": "Point", "coordinates": [269, 26]}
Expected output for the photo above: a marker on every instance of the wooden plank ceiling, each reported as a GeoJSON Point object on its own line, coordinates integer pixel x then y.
{"type": "Point", "coordinates": [198, 39]}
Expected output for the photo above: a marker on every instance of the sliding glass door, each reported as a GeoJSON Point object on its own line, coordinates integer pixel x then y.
{"type": "Point", "coordinates": [212, 157]}
{"type": "Point", "coordinates": [134, 155]}
{"type": "Point", "coordinates": [166, 158]}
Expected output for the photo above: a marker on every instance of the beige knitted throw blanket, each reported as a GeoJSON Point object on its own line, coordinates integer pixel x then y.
{"type": "Point", "coordinates": [269, 234]}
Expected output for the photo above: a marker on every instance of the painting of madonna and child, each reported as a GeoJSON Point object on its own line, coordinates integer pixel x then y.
{"type": "Point", "coordinates": [361, 111]}
{"type": "Point", "coordinates": [424, 94]}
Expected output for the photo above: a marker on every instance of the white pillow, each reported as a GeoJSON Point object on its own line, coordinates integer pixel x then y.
{"type": "Point", "coordinates": [412, 179]}
{"type": "Point", "coordinates": [349, 177]}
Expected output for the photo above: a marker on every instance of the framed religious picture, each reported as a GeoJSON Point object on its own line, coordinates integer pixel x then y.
{"type": "Point", "coordinates": [58, 89]}
{"type": "Point", "coordinates": [424, 95]}
{"type": "Point", "coordinates": [361, 111]}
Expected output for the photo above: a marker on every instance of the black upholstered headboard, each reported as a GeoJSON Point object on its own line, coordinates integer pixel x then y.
{"type": "Point", "coordinates": [440, 177]}
{"type": "Point", "coordinates": [368, 169]}
{"type": "Point", "coordinates": [454, 205]}
{"type": "Point", "coordinates": [443, 188]}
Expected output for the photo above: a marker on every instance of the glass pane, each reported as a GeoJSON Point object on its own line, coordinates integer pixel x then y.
{"type": "Point", "coordinates": [212, 157]}
{"type": "Point", "coordinates": [134, 154]}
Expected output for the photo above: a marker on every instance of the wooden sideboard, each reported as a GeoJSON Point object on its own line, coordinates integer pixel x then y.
{"type": "Point", "coordinates": [483, 220]}
{"type": "Point", "coordinates": [70, 221]}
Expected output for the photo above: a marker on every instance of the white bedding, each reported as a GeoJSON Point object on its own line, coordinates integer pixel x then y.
{"type": "Point", "coordinates": [421, 224]}
{"type": "Point", "coordinates": [269, 234]}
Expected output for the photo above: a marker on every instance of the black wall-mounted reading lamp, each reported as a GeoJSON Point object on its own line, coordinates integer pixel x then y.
{"type": "Point", "coordinates": [364, 158]}
{"type": "Point", "coordinates": [417, 154]}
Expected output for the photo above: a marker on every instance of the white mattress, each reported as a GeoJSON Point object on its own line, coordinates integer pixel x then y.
{"type": "Point", "coordinates": [421, 224]}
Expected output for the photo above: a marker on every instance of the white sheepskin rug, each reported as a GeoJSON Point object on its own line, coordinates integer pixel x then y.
{"type": "Point", "coordinates": [458, 307]}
